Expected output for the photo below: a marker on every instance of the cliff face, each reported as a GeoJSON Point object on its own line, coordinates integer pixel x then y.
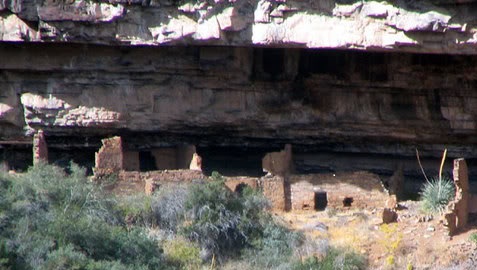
{"type": "Point", "coordinates": [242, 73]}
{"type": "Point", "coordinates": [421, 26]}
{"type": "Point", "coordinates": [223, 94]}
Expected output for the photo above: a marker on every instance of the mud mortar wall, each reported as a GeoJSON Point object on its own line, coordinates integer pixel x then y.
{"type": "Point", "coordinates": [343, 191]}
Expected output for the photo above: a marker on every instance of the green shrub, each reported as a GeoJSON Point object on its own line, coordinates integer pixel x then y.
{"type": "Point", "coordinates": [183, 253]}
{"type": "Point", "coordinates": [137, 210]}
{"type": "Point", "coordinates": [436, 194]}
{"type": "Point", "coordinates": [168, 206]}
{"type": "Point", "coordinates": [473, 238]}
{"type": "Point", "coordinates": [334, 259]}
{"type": "Point", "coordinates": [65, 258]}
{"type": "Point", "coordinates": [54, 220]}
{"type": "Point", "coordinates": [274, 248]}
{"type": "Point", "coordinates": [222, 221]}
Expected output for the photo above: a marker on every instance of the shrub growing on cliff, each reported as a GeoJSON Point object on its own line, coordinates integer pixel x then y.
{"type": "Point", "coordinates": [436, 194]}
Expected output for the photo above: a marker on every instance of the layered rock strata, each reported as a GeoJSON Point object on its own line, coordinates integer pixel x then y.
{"type": "Point", "coordinates": [418, 26]}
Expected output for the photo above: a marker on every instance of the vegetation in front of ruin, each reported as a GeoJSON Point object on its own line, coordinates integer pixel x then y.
{"type": "Point", "coordinates": [53, 220]}
{"type": "Point", "coordinates": [436, 194]}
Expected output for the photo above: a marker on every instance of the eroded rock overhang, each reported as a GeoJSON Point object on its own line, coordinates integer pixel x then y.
{"type": "Point", "coordinates": [238, 96]}
{"type": "Point", "coordinates": [437, 26]}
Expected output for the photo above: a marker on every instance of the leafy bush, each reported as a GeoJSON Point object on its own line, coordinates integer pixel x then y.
{"type": "Point", "coordinates": [52, 220]}
{"type": "Point", "coordinates": [222, 221]}
{"type": "Point", "coordinates": [274, 248]}
{"type": "Point", "coordinates": [334, 259]}
{"type": "Point", "coordinates": [137, 210]}
{"type": "Point", "coordinates": [183, 253]}
{"type": "Point", "coordinates": [436, 194]}
{"type": "Point", "coordinates": [168, 206]}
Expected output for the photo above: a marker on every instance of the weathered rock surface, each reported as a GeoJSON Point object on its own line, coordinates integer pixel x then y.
{"type": "Point", "coordinates": [84, 70]}
{"type": "Point", "coordinates": [419, 26]}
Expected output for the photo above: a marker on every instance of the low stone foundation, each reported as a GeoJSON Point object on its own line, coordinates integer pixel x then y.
{"type": "Point", "coordinates": [341, 191]}
{"type": "Point", "coordinates": [285, 190]}
{"type": "Point", "coordinates": [133, 182]}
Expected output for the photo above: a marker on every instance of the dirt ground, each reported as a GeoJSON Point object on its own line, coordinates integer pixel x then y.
{"type": "Point", "coordinates": [416, 241]}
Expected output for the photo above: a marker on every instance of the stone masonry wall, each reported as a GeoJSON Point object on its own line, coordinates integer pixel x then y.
{"type": "Point", "coordinates": [132, 182]}
{"type": "Point", "coordinates": [343, 191]}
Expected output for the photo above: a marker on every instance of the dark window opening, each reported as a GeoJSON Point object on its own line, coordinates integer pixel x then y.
{"type": "Point", "coordinates": [147, 162]}
{"type": "Point", "coordinates": [347, 201]}
{"type": "Point", "coordinates": [321, 201]}
{"type": "Point", "coordinates": [240, 188]}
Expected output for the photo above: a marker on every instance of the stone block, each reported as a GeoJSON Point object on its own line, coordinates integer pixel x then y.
{"type": "Point", "coordinates": [274, 191]}
{"type": "Point", "coordinates": [40, 149]}
{"type": "Point", "coordinates": [110, 155]}
{"type": "Point", "coordinates": [461, 180]}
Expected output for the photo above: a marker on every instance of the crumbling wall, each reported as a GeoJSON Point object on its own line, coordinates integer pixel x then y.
{"type": "Point", "coordinates": [40, 149]}
{"type": "Point", "coordinates": [233, 183]}
{"type": "Point", "coordinates": [279, 163]}
{"type": "Point", "coordinates": [109, 158]}
{"type": "Point", "coordinates": [148, 182]}
{"type": "Point", "coordinates": [457, 213]}
{"type": "Point", "coordinates": [343, 190]}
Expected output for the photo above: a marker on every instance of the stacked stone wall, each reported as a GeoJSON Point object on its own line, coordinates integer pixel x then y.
{"type": "Point", "coordinates": [343, 191]}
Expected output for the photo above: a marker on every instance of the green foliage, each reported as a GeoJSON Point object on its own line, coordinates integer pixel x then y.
{"type": "Point", "coordinates": [168, 206]}
{"type": "Point", "coordinates": [436, 194]}
{"type": "Point", "coordinates": [274, 248]}
{"type": "Point", "coordinates": [137, 210]}
{"type": "Point", "coordinates": [334, 259]}
{"type": "Point", "coordinates": [54, 220]}
{"type": "Point", "coordinates": [183, 253]}
{"type": "Point", "coordinates": [473, 238]}
{"type": "Point", "coordinates": [222, 221]}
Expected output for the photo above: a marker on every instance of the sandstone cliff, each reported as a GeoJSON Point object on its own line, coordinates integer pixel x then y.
{"type": "Point", "coordinates": [405, 25]}
{"type": "Point", "coordinates": [342, 76]}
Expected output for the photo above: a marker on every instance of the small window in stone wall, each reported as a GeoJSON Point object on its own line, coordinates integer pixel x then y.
{"type": "Point", "coordinates": [321, 200]}
{"type": "Point", "coordinates": [347, 202]}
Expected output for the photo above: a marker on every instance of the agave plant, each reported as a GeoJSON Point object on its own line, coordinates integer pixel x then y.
{"type": "Point", "coordinates": [436, 194]}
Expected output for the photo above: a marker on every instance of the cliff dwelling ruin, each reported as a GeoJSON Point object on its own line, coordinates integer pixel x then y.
{"type": "Point", "coordinates": [352, 88]}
